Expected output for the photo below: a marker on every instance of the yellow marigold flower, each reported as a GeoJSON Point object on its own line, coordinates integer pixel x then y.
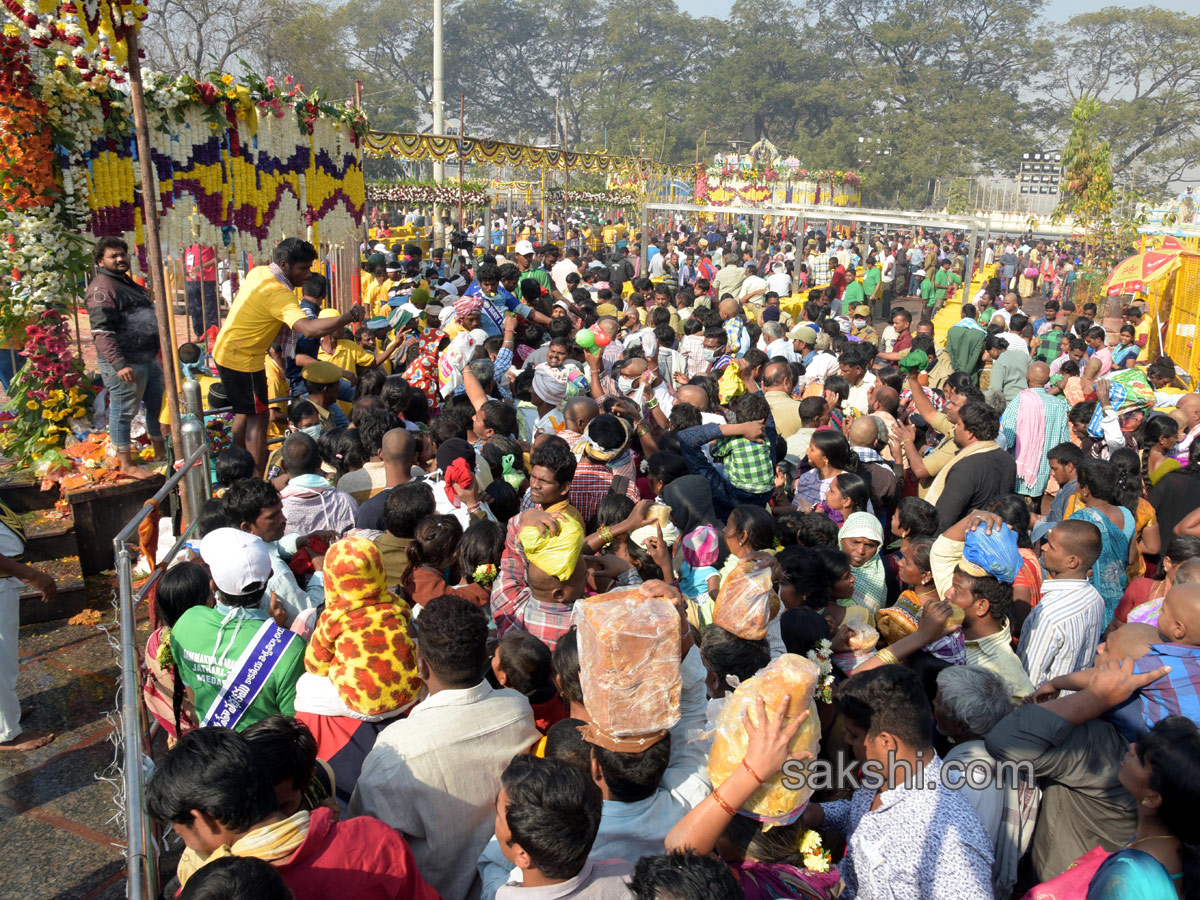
{"type": "Point", "coordinates": [31, 404]}
{"type": "Point", "coordinates": [227, 79]}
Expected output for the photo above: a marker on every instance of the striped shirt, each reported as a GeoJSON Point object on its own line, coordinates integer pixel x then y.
{"type": "Point", "coordinates": [1062, 631]}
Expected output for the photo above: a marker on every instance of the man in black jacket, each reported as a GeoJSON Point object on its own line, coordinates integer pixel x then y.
{"type": "Point", "coordinates": [125, 330]}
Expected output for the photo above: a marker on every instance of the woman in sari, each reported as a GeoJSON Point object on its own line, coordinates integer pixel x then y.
{"type": "Point", "coordinates": [1098, 493]}
{"type": "Point", "coordinates": [1131, 494]}
{"type": "Point", "coordinates": [830, 455]}
{"type": "Point", "coordinates": [1143, 599]}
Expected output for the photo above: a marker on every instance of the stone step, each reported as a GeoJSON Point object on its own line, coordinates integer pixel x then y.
{"type": "Point", "coordinates": [49, 534]}
{"type": "Point", "coordinates": [70, 600]}
{"type": "Point", "coordinates": [22, 492]}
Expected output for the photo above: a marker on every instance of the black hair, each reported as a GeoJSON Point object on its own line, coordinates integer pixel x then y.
{"type": "Point", "coordinates": [1066, 454]}
{"type": "Point", "coordinates": [396, 395]}
{"type": "Point", "coordinates": [500, 417]}
{"type": "Point", "coordinates": [997, 593]}
{"type": "Point", "coordinates": [684, 875]}
{"type": "Point", "coordinates": [525, 662]}
{"type": "Point", "coordinates": [300, 455]}
{"type": "Point", "coordinates": [835, 560]}
{"type": "Point", "coordinates": [757, 523]}
{"type": "Point", "coordinates": [236, 878]}
{"type": "Point", "coordinates": [855, 489]}
{"type": "Point", "coordinates": [317, 286]}
{"type": "Point", "coordinates": [233, 465]}
{"type": "Point", "coordinates": [750, 408]}
{"type": "Point", "coordinates": [299, 410]}
{"type": "Point", "coordinates": [565, 660]}
{"type": "Point", "coordinates": [347, 450]}
{"type": "Point", "coordinates": [836, 449]}
{"type": "Point", "coordinates": [482, 544]}
{"type": "Point", "coordinates": [667, 466]}
{"type": "Point", "coordinates": [212, 516]}
{"type": "Point", "coordinates": [917, 516]}
{"type": "Point", "coordinates": [372, 426]}
{"type": "Point", "coordinates": [802, 629]}
{"type": "Point", "coordinates": [406, 505]}
{"type": "Point", "coordinates": [503, 500]}
{"type": "Point", "coordinates": [453, 640]}
{"type": "Point", "coordinates": [725, 654]}
{"type": "Point", "coordinates": [1013, 510]}
{"type": "Point", "coordinates": [1171, 750]}
{"type": "Point", "coordinates": [633, 776]}
{"type": "Point", "coordinates": [370, 383]}
{"type": "Point", "coordinates": [108, 243]}
{"type": "Point", "coordinates": [434, 544]}
{"type": "Point", "coordinates": [563, 741]}
{"type": "Point", "coordinates": [291, 251]}
{"type": "Point", "coordinates": [1017, 322]}
{"type": "Point", "coordinates": [684, 416]}
{"type": "Point", "coordinates": [553, 812]}
{"type": "Point", "coordinates": [816, 529]}
{"type": "Point", "coordinates": [979, 419]}
{"type": "Point", "coordinates": [246, 499]}
{"type": "Point", "coordinates": [812, 408]}
{"type": "Point", "coordinates": [1100, 477]}
{"type": "Point", "coordinates": [286, 747]}
{"type": "Point", "coordinates": [181, 587]}
{"type": "Point", "coordinates": [887, 699]}
{"type": "Point", "coordinates": [557, 457]}
{"type": "Point", "coordinates": [215, 771]}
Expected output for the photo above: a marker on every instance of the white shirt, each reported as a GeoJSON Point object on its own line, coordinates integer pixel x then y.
{"type": "Point", "coordinates": [559, 273]}
{"type": "Point", "coordinates": [858, 394]}
{"type": "Point", "coordinates": [1062, 631]}
{"type": "Point", "coordinates": [822, 366]}
{"type": "Point", "coordinates": [750, 285]}
{"type": "Point", "coordinates": [781, 347]}
{"type": "Point", "coordinates": [656, 266]}
{"type": "Point", "coordinates": [780, 283]}
{"type": "Point", "coordinates": [434, 776]}
{"type": "Point", "coordinates": [1015, 342]}
{"type": "Point", "coordinates": [889, 268]}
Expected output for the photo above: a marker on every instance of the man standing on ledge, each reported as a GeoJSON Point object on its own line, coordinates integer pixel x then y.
{"type": "Point", "coordinates": [125, 329]}
{"type": "Point", "coordinates": [266, 300]}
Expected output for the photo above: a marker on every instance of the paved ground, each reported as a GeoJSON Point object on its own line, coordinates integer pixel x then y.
{"type": "Point", "coordinates": [56, 818]}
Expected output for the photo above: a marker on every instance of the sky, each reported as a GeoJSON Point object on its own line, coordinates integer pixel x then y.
{"type": "Point", "coordinates": [1056, 10]}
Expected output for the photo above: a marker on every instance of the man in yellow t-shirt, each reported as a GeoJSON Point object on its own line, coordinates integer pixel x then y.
{"type": "Point", "coordinates": [265, 301]}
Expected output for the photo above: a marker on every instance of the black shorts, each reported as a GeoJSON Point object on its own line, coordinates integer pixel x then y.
{"type": "Point", "coordinates": [246, 391]}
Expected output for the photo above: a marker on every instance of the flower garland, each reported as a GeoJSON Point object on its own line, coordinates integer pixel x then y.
{"type": "Point", "coordinates": [426, 192]}
{"type": "Point", "coordinates": [42, 254]}
{"type": "Point", "coordinates": [234, 169]}
{"type": "Point", "coordinates": [91, 40]}
{"type": "Point", "coordinates": [822, 655]}
{"type": "Point", "coordinates": [816, 858]}
{"type": "Point", "coordinates": [609, 197]}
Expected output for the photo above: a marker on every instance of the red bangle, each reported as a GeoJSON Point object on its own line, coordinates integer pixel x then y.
{"type": "Point", "coordinates": [754, 774]}
{"type": "Point", "coordinates": [716, 795]}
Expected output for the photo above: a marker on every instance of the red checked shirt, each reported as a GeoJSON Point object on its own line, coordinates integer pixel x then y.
{"type": "Point", "coordinates": [593, 481]}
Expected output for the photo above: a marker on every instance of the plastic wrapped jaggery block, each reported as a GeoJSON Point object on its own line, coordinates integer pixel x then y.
{"type": "Point", "coordinates": [747, 600]}
{"type": "Point", "coordinates": [791, 676]}
{"type": "Point", "coordinates": [629, 661]}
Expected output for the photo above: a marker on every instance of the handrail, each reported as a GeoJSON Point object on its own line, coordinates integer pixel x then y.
{"type": "Point", "coordinates": [125, 533]}
{"type": "Point", "coordinates": [229, 409]}
{"type": "Point", "coordinates": [141, 861]}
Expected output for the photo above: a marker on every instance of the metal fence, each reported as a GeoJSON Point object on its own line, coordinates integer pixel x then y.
{"type": "Point", "coordinates": [135, 733]}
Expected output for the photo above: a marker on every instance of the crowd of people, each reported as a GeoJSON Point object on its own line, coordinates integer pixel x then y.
{"type": "Point", "coordinates": [374, 672]}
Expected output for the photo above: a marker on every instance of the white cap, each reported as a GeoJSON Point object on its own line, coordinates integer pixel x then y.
{"type": "Point", "coordinates": [379, 248]}
{"type": "Point", "coordinates": [237, 560]}
{"type": "Point", "coordinates": [523, 248]}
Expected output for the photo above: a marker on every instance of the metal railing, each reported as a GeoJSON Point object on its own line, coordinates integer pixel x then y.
{"type": "Point", "coordinates": [140, 852]}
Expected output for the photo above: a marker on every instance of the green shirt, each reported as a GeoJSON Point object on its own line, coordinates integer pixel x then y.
{"type": "Point", "coordinates": [871, 281]}
{"type": "Point", "coordinates": [207, 653]}
{"type": "Point", "coordinates": [940, 282]}
{"type": "Point", "coordinates": [927, 291]}
{"type": "Point", "coordinates": [852, 296]}
{"type": "Point", "coordinates": [541, 276]}
{"type": "Point", "coordinates": [1047, 351]}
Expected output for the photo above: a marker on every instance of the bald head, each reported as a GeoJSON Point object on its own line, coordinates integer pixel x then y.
{"type": "Point", "coordinates": [693, 395]}
{"type": "Point", "coordinates": [1190, 404]}
{"type": "Point", "coordinates": [1179, 620]}
{"type": "Point", "coordinates": [1037, 374]}
{"type": "Point", "coordinates": [399, 447]}
{"type": "Point", "coordinates": [728, 308]}
{"type": "Point", "coordinates": [778, 375]}
{"type": "Point", "coordinates": [578, 411]}
{"type": "Point", "coordinates": [886, 399]}
{"type": "Point", "coordinates": [864, 432]}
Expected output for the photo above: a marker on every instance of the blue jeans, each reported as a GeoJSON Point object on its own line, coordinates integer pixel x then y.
{"type": "Point", "coordinates": [202, 305]}
{"type": "Point", "coordinates": [11, 362]}
{"type": "Point", "coordinates": [124, 398]}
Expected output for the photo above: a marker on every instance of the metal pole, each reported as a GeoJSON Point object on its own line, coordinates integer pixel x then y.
{"type": "Point", "coordinates": [508, 226]}
{"type": "Point", "coordinates": [196, 478]}
{"type": "Point", "coordinates": [645, 248]}
{"type": "Point", "coordinates": [193, 399]}
{"type": "Point", "coordinates": [439, 126]}
{"type": "Point", "coordinates": [139, 864]}
{"type": "Point", "coordinates": [969, 266]}
{"type": "Point", "coordinates": [754, 239]}
{"type": "Point", "coordinates": [154, 262]}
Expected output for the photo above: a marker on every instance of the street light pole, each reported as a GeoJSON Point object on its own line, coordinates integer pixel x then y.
{"type": "Point", "coordinates": [439, 127]}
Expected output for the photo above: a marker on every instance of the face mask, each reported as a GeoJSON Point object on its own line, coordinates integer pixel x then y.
{"type": "Point", "coordinates": [710, 355]}
{"type": "Point", "coordinates": [859, 323]}
{"type": "Point", "coordinates": [313, 431]}
{"type": "Point", "coordinates": [624, 385]}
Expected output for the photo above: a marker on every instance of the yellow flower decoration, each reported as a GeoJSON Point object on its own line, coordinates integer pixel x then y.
{"type": "Point", "coordinates": [31, 404]}
{"type": "Point", "coordinates": [227, 79]}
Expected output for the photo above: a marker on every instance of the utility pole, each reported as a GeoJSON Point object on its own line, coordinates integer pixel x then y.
{"type": "Point", "coordinates": [439, 126]}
